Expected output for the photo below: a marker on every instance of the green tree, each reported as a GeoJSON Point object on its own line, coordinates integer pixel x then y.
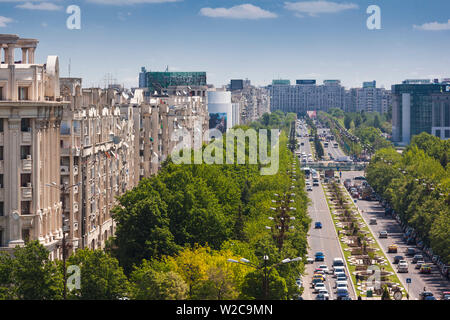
{"type": "Point", "coordinates": [35, 276]}
{"type": "Point", "coordinates": [101, 276]}
{"type": "Point", "coordinates": [6, 277]}
{"type": "Point", "coordinates": [253, 286]}
{"type": "Point", "coordinates": [150, 284]}
{"type": "Point", "coordinates": [347, 121]}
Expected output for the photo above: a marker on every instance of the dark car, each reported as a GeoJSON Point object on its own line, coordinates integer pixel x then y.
{"type": "Point", "coordinates": [423, 295]}
{"type": "Point", "coordinates": [430, 298]}
{"type": "Point", "coordinates": [410, 252]}
{"type": "Point", "coordinates": [318, 225]}
{"type": "Point", "coordinates": [398, 258]}
{"type": "Point", "coordinates": [319, 256]}
{"type": "Point", "coordinates": [417, 257]}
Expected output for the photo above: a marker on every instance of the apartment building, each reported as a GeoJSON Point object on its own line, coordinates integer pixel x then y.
{"type": "Point", "coordinates": [31, 110]}
{"type": "Point", "coordinates": [306, 95]}
{"type": "Point", "coordinates": [249, 102]}
{"type": "Point", "coordinates": [97, 160]}
{"type": "Point", "coordinates": [369, 98]}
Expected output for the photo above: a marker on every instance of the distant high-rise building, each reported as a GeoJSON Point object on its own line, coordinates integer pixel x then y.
{"type": "Point", "coordinates": [419, 106]}
{"type": "Point", "coordinates": [236, 85]}
{"type": "Point", "coordinates": [158, 82]}
{"type": "Point", "coordinates": [142, 78]}
{"type": "Point", "coordinates": [306, 95]}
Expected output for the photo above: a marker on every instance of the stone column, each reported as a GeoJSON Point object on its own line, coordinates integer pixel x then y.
{"type": "Point", "coordinates": [9, 52]}
{"type": "Point", "coordinates": [31, 55]}
{"type": "Point", "coordinates": [24, 55]}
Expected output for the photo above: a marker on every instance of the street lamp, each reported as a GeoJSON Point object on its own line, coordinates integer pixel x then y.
{"type": "Point", "coordinates": [265, 268]}
{"type": "Point", "coordinates": [63, 188]}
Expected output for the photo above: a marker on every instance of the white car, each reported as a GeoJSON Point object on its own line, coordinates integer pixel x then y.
{"type": "Point", "coordinates": [324, 268]}
{"type": "Point", "coordinates": [324, 294]}
{"type": "Point", "coordinates": [402, 266]}
{"type": "Point", "coordinates": [341, 285]}
{"type": "Point", "coordinates": [319, 286]}
{"type": "Point", "coordinates": [310, 260]}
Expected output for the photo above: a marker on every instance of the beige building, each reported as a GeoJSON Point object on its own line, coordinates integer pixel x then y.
{"type": "Point", "coordinates": [30, 116]}
{"type": "Point", "coordinates": [97, 160]}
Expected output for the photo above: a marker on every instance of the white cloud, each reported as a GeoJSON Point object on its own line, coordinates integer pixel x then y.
{"type": "Point", "coordinates": [129, 2]}
{"type": "Point", "coordinates": [434, 26]}
{"type": "Point", "coordinates": [48, 6]}
{"type": "Point", "coordinates": [314, 8]}
{"type": "Point", "coordinates": [243, 11]}
{"type": "Point", "coordinates": [4, 21]}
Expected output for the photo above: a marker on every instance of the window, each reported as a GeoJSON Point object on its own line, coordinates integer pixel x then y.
{"type": "Point", "coordinates": [23, 93]}
{"type": "Point", "coordinates": [2, 208]}
{"type": "Point", "coordinates": [25, 207]}
{"type": "Point", "coordinates": [1, 153]}
{"type": "Point", "coordinates": [1, 181]}
{"type": "Point", "coordinates": [26, 235]}
{"type": "Point", "coordinates": [1, 93]}
{"type": "Point", "coordinates": [25, 125]}
{"type": "Point", "coordinates": [25, 179]}
{"type": "Point", "coordinates": [447, 134]}
{"type": "Point", "coordinates": [1, 238]}
{"type": "Point", "coordinates": [1, 124]}
{"type": "Point", "coordinates": [25, 151]}
{"type": "Point", "coordinates": [438, 133]}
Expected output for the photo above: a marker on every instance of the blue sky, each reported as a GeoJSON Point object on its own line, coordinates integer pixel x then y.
{"type": "Point", "coordinates": [256, 39]}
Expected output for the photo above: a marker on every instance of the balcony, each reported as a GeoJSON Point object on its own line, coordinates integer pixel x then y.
{"type": "Point", "coordinates": [75, 189]}
{"type": "Point", "coordinates": [26, 137]}
{"type": "Point", "coordinates": [76, 152]}
{"type": "Point", "coordinates": [27, 192]}
{"type": "Point", "coordinates": [75, 170]}
{"type": "Point", "coordinates": [75, 207]}
{"type": "Point", "coordinates": [27, 165]}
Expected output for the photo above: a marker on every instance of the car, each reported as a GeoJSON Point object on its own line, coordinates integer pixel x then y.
{"type": "Point", "coordinates": [398, 258]}
{"type": "Point", "coordinates": [299, 283]}
{"type": "Point", "coordinates": [319, 256]}
{"type": "Point", "coordinates": [342, 277]}
{"type": "Point", "coordinates": [419, 264]}
{"type": "Point", "coordinates": [338, 262]}
{"type": "Point", "coordinates": [425, 268]}
{"type": "Point", "coordinates": [410, 251]}
{"type": "Point", "coordinates": [392, 248]}
{"type": "Point", "coordinates": [321, 296]}
{"type": "Point", "coordinates": [316, 281]}
{"type": "Point", "coordinates": [445, 295]}
{"type": "Point", "coordinates": [344, 298]}
{"type": "Point", "coordinates": [341, 293]}
{"type": "Point", "coordinates": [310, 260]}
{"type": "Point", "coordinates": [319, 286]}
{"type": "Point", "coordinates": [417, 257]}
{"type": "Point", "coordinates": [342, 283]}
{"type": "Point", "coordinates": [318, 225]}
{"type": "Point", "coordinates": [324, 292]}
{"type": "Point", "coordinates": [360, 178]}
{"type": "Point", "coordinates": [402, 267]}
{"type": "Point", "coordinates": [424, 294]}
{"type": "Point", "coordinates": [338, 269]}
{"type": "Point", "coordinates": [319, 271]}
{"type": "Point", "coordinates": [315, 183]}
{"type": "Point", "coordinates": [309, 188]}
{"type": "Point", "coordinates": [324, 268]}
{"type": "Point", "coordinates": [373, 221]}
{"type": "Point", "coordinates": [430, 298]}
{"type": "Point", "coordinates": [383, 234]}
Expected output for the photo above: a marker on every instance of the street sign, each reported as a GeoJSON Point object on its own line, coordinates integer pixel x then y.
{"type": "Point", "coordinates": [408, 280]}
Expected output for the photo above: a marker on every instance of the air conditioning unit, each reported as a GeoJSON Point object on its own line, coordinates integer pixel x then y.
{"type": "Point", "coordinates": [28, 156]}
{"type": "Point", "coordinates": [28, 184]}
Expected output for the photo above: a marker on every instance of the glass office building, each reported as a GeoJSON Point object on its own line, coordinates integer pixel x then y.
{"type": "Point", "coordinates": [158, 81]}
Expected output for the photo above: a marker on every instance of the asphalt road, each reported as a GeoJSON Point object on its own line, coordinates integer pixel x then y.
{"type": "Point", "coordinates": [324, 240]}
{"type": "Point", "coordinates": [433, 282]}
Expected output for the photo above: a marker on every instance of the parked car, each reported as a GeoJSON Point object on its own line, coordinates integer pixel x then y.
{"type": "Point", "coordinates": [392, 248]}
{"type": "Point", "coordinates": [383, 234]}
